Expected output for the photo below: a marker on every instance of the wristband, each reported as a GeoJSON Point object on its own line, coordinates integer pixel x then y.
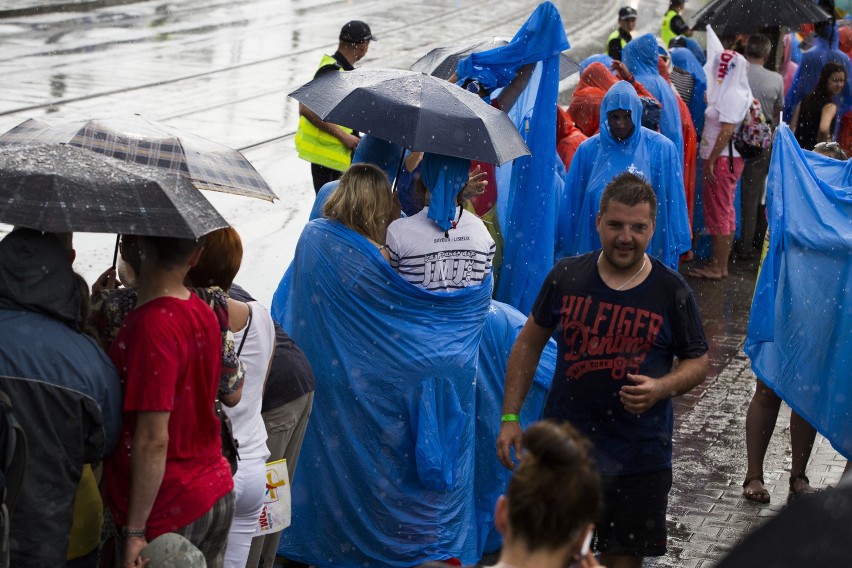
{"type": "Point", "coordinates": [134, 533]}
{"type": "Point", "coordinates": [510, 418]}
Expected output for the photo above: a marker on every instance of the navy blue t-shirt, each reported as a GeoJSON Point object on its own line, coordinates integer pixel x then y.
{"type": "Point", "coordinates": [602, 335]}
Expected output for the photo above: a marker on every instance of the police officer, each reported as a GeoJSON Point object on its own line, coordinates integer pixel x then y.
{"type": "Point", "coordinates": [328, 147]}
{"type": "Point", "coordinates": [673, 22]}
{"type": "Point", "coordinates": [623, 34]}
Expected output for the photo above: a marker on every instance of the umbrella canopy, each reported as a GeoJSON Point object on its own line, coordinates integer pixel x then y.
{"type": "Point", "coordinates": [136, 139]}
{"type": "Point", "coordinates": [416, 111]}
{"type": "Point", "coordinates": [62, 188]}
{"type": "Point", "coordinates": [441, 62]}
{"type": "Point", "coordinates": [750, 16]}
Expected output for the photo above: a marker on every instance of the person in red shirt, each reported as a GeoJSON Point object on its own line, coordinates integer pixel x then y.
{"type": "Point", "coordinates": [168, 473]}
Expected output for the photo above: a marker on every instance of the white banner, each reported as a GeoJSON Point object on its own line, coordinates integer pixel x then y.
{"type": "Point", "coordinates": [275, 514]}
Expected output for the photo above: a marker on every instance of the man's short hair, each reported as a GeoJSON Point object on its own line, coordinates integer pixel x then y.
{"type": "Point", "coordinates": [631, 190]}
{"type": "Point", "coordinates": [758, 46]}
{"type": "Point", "coordinates": [168, 252]}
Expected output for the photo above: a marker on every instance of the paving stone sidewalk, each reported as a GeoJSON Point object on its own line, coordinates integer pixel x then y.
{"type": "Point", "coordinates": [707, 515]}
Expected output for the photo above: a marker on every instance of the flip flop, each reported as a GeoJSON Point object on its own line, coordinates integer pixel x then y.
{"type": "Point", "coordinates": [704, 274]}
{"type": "Point", "coordinates": [760, 496]}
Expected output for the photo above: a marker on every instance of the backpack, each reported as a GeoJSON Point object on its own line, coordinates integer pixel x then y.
{"type": "Point", "coordinates": [754, 134]}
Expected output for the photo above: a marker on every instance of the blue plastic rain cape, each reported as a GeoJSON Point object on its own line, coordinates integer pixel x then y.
{"type": "Point", "coordinates": [696, 49]}
{"type": "Point", "coordinates": [444, 177]}
{"type": "Point", "coordinates": [601, 158]}
{"type": "Point", "coordinates": [532, 191]}
{"type": "Point", "coordinates": [387, 465]}
{"type": "Point", "coordinates": [641, 56]}
{"type": "Point", "coordinates": [800, 328]}
{"type": "Point", "coordinates": [502, 326]}
{"type": "Point", "coordinates": [684, 58]}
{"type": "Point", "coordinates": [807, 75]}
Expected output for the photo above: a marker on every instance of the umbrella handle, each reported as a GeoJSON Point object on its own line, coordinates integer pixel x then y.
{"type": "Point", "coordinates": [398, 171]}
{"type": "Point", "coordinates": [115, 253]}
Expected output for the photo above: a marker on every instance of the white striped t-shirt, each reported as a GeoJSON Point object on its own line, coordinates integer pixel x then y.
{"type": "Point", "coordinates": [422, 253]}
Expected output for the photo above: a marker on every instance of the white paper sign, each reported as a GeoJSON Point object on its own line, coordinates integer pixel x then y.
{"type": "Point", "coordinates": [275, 514]}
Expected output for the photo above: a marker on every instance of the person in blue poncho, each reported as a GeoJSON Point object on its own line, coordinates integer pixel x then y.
{"type": "Point", "coordinates": [623, 145]}
{"type": "Point", "coordinates": [685, 59]}
{"type": "Point", "coordinates": [641, 56]}
{"type": "Point", "coordinates": [813, 60]}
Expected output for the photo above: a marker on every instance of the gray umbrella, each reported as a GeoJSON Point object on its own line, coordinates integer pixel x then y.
{"type": "Point", "coordinates": [416, 111]}
{"type": "Point", "coordinates": [441, 62]}
{"type": "Point", "coordinates": [730, 17]}
{"type": "Point", "coordinates": [63, 188]}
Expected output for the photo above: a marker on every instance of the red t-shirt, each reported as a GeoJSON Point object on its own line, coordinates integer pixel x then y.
{"type": "Point", "coordinates": [168, 354]}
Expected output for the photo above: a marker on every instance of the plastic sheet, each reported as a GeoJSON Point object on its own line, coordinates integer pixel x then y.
{"type": "Point", "coordinates": [534, 182]}
{"type": "Point", "coordinates": [800, 329]}
{"type": "Point", "coordinates": [502, 326]}
{"type": "Point", "coordinates": [641, 56]}
{"type": "Point", "coordinates": [386, 471]}
{"type": "Point", "coordinates": [601, 158]}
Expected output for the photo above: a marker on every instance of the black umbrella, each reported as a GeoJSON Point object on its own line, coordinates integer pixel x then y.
{"type": "Point", "coordinates": [441, 62]}
{"type": "Point", "coordinates": [416, 111]}
{"type": "Point", "coordinates": [728, 17]}
{"type": "Point", "coordinates": [63, 188]}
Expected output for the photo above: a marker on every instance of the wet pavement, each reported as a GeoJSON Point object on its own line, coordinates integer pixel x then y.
{"type": "Point", "coordinates": [222, 69]}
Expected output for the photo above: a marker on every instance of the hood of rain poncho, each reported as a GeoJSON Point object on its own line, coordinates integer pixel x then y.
{"type": "Point", "coordinates": [568, 136]}
{"type": "Point", "coordinates": [800, 335]}
{"type": "Point", "coordinates": [807, 75]}
{"type": "Point", "coordinates": [695, 48]}
{"type": "Point", "coordinates": [685, 59]}
{"type": "Point", "coordinates": [444, 177]}
{"type": "Point", "coordinates": [602, 157]}
{"type": "Point", "coordinates": [502, 326]}
{"type": "Point", "coordinates": [533, 181]}
{"type": "Point", "coordinates": [595, 81]}
{"type": "Point", "coordinates": [381, 153]}
{"type": "Point", "coordinates": [601, 58]}
{"type": "Point", "coordinates": [728, 90]}
{"type": "Point", "coordinates": [387, 465]}
{"type": "Point", "coordinates": [36, 276]}
{"type": "Point", "coordinates": [641, 57]}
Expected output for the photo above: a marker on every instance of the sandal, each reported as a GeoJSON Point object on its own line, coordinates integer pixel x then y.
{"type": "Point", "coordinates": [759, 496]}
{"type": "Point", "coordinates": [705, 274]}
{"type": "Point", "coordinates": [793, 495]}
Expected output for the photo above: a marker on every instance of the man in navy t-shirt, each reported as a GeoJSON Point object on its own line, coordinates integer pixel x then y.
{"type": "Point", "coordinates": [621, 318]}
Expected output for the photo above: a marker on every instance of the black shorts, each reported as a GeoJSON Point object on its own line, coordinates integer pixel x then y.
{"type": "Point", "coordinates": [634, 519]}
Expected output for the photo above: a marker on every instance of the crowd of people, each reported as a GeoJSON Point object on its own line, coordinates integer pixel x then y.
{"type": "Point", "coordinates": [153, 402]}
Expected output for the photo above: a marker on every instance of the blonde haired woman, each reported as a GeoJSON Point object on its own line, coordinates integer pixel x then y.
{"type": "Point", "coordinates": [363, 203]}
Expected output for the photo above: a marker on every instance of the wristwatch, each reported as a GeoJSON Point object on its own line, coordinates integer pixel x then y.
{"type": "Point", "coordinates": [134, 533]}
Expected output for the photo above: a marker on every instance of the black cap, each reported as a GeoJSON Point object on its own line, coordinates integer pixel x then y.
{"type": "Point", "coordinates": [356, 31]}
{"type": "Point", "coordinates": [627, 13]}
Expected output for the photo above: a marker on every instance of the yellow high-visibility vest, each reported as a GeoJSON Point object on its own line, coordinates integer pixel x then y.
{"type": "Point", "coordinates": [318, 146]}
{"type": "Point", "coordinates": [666, 32]}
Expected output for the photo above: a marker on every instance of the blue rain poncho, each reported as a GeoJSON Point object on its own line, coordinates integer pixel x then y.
{"type": "Point", "coordinates": [444, 177]}
{"type": "Point", "coordinates": [685, 59]}
{"type": "Point", "coordinates": [800, 329]}
{"type": "Point", "coordinates": [807, 75]}
{"type": "Point", "coordinates": [641, 56]}
{"type": "Point", "coordinates": [601, 158]}
{"type": "Point", "coordinates": [502, 326]}
{"type": "Point", "coordinates": [534, 182]}
{"type": "Point", "coordinates": [596, 58]}
{"type": "Point", "coordinates": [386, 473]}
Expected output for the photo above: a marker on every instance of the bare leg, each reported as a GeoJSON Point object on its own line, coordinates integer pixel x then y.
{"type": "Point", "coordinates": [760, 423]}
{"type": "Point", "coordinates": [721, 252]}
{"type": "Point", "coordinates": [620, 561]}
{"type": "Point", "coordinates": [802, 437]}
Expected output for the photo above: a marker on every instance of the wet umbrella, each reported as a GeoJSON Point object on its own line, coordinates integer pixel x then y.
{"type": "Point", "coordinates": [136, 139]}
{"type": "Point", "coordinates": [416, 111]}
{"type": "Point", "coordinates": [62, 188]}
{"type": "Point", "coordinates": [750, 16]}
{"type": "Point", "coordinates": [441, 62]}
